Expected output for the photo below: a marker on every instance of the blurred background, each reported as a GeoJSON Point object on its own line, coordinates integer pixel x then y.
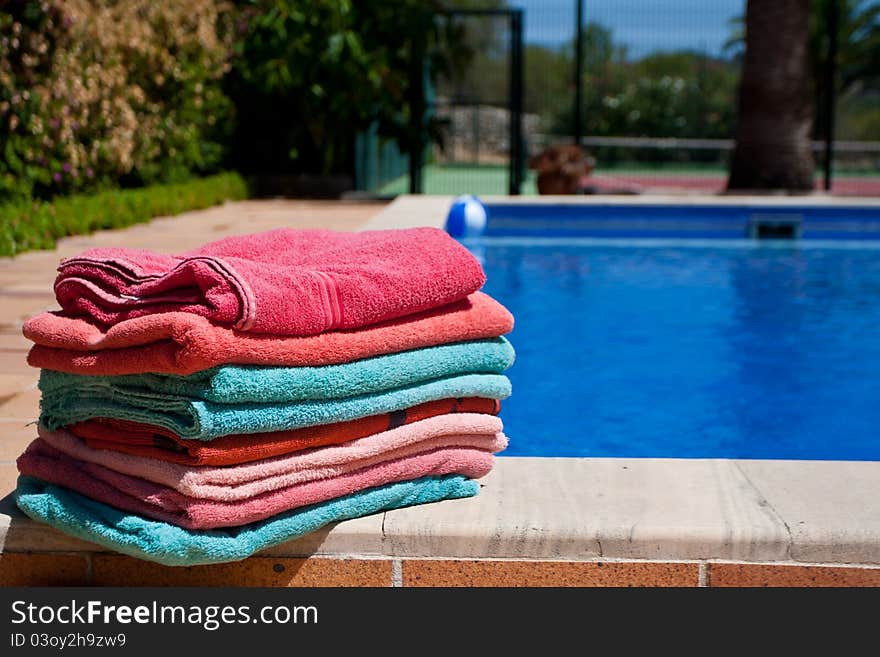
{"type": "Point", "coordinates": [382, 97]}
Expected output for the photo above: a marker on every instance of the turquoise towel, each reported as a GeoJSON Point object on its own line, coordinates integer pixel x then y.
{"type": "Point", "coordinates": [235, 384]}
{"type": "Point", "coordinates": [117, 530]}
{"type": "Point", "coordinates": [204, 420]}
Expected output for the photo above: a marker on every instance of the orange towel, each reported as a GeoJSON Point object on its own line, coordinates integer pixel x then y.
{"type": "Point", "coordinates": [158, 442]}
{"type": "Point", "coordinates": [184, 343]}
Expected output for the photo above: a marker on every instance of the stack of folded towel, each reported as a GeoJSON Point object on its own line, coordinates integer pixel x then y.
{"type": "Point", "coordinates": [198, 408]}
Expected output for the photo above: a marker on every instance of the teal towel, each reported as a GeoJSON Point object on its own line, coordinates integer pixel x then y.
{"type": "Point", "coordinates": [167, 544]}
{"type": "Point", "coordinates": [235, 384]}
{"type": "Point", "coordinates": [206, 420]}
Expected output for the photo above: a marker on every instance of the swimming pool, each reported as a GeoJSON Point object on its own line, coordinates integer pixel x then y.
{"type": "Point", "coordinates": [683, 349]}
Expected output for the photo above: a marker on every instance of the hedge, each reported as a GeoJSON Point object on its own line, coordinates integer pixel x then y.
{"type": "Point", "coordinates": [26, 226]}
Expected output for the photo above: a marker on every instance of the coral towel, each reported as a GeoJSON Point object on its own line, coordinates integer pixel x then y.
{"type": "Point", "coordinates": [280, 282]}
{"type": "Point", "coordinates": [239, 384]}
{"type": "Point", "coordinates": [183, 343]}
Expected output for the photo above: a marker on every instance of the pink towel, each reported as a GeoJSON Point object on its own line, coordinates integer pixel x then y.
{"type": "Point", "coordinates": [240, 482]}
{"type": "Point", "coordinates": [280, 282]}
{"type": "Point", "coordinates": [151, 500]}
{"type": "Point", "coordinates": [183, 343]}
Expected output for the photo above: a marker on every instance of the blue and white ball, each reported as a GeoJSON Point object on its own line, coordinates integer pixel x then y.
{"type": "Point", "coordinates": [467, 217]}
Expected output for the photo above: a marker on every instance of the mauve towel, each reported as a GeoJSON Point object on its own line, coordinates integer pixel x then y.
{"type": "Point", "coordinates": [249, 480]}
{"type": "Point", "coordinates": [183, 343]}
{"type": "Point", "coordinates": [281, 282]}
{"type": "Point", "coordinates": [152, 500]}
{"type": "Point", "coordinates": [239, 384]}
{"type": "Point", "coordinates": [203, 420]}
{"type": "Point", "coordinates": [167, 544]}
{"type": "Point", "coordinates": [160, 443]}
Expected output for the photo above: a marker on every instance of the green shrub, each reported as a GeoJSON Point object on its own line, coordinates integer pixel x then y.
{"type": "Point", "coordinates": [100, 93]}
{"type": "Point", "coordinates": [28, 225]}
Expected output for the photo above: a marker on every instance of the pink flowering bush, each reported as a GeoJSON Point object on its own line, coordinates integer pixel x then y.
{"type": "Point", "coordinates": [96, 93]}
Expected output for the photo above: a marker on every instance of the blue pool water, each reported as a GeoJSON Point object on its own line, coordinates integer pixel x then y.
{"type": "Point", "coordinates": [690, 351]}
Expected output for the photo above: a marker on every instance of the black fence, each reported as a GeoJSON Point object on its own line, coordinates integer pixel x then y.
{"type": "Point", "coordinates": [479, 108]}
{"type": "Point", "coordinates": [648, 87]}
{"type": "Point", "coordinates": [475, 112]}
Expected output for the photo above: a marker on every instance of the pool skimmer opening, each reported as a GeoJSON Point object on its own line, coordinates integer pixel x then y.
{"type": "Point", "coordinates": [766, 226]}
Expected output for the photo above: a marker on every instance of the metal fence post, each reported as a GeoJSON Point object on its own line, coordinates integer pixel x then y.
{"type": "Point", "coordinates": [514, 178]}
{"type": "Point", "coordinates": [417, 113]}
{"type": "Point", "coordinates": [578, 127]}
{"type": "Point", "coordinates": [830, 89]}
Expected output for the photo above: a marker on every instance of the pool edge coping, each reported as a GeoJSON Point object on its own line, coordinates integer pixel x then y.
{"type": "Point", "coordinates": [588, 509]}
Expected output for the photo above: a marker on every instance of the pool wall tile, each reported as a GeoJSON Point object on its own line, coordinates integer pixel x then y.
{"type": "Point", "coordinates": [43, 570]}
{"type": "Point", "coordinates": [114, 570]}
{"type": "Point", "coordinates": [751, 575]}
{"type": "Point", "coordinates": [649, 216]}
{"type": "Point", "coordinates": [429, 572]}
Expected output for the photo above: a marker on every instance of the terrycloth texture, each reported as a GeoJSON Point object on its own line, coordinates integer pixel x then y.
{"type": "Point", "coordinates": [236, 384]}
{"type": "Point", "coordinates": [249, 480]}
{"type": "Point", "coordinates": [183, 343]}
{"type": "Point", "coordinates": [167, 544]}
{"type": "Point", "coordinates": [207, 420]}
{"type": "Point", "coordinates": [280, 282]}
{"type": "Point", "coordinates": [159, 443]}
{"type": "Point", "coordinates": [152, 500]}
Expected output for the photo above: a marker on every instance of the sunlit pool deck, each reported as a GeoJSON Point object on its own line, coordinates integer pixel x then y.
{"type": "Point", "coordinates": [562, 521]}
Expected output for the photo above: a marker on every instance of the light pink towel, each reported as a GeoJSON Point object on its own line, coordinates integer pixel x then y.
{"type": "Point", "coordinates": [152, 500]}
{"type": "Point", "coordinates": [281, 282]}
{"type": "Point", "coordinates": [240, 482]}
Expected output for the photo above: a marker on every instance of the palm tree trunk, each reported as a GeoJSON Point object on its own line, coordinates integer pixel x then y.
{"type": "Point", "coordinates": [775, 115]}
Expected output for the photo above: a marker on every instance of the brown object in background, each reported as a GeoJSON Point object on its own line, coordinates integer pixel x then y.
{"type": "Point", "coordinates": [561, 169]}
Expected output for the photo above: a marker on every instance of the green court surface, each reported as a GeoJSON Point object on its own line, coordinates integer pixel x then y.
{"type": "Point", "coordinates": [460, 179]}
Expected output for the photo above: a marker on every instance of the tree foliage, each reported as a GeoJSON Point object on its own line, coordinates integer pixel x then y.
{"type": "Point", "coordinates": [100, 92]}
{"type": "Point", "coordinates": [858, 64]}
{"type": "Point", "coordinates": [668, 94]}
{"type": "Point", "coordinates": [309, 75]}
